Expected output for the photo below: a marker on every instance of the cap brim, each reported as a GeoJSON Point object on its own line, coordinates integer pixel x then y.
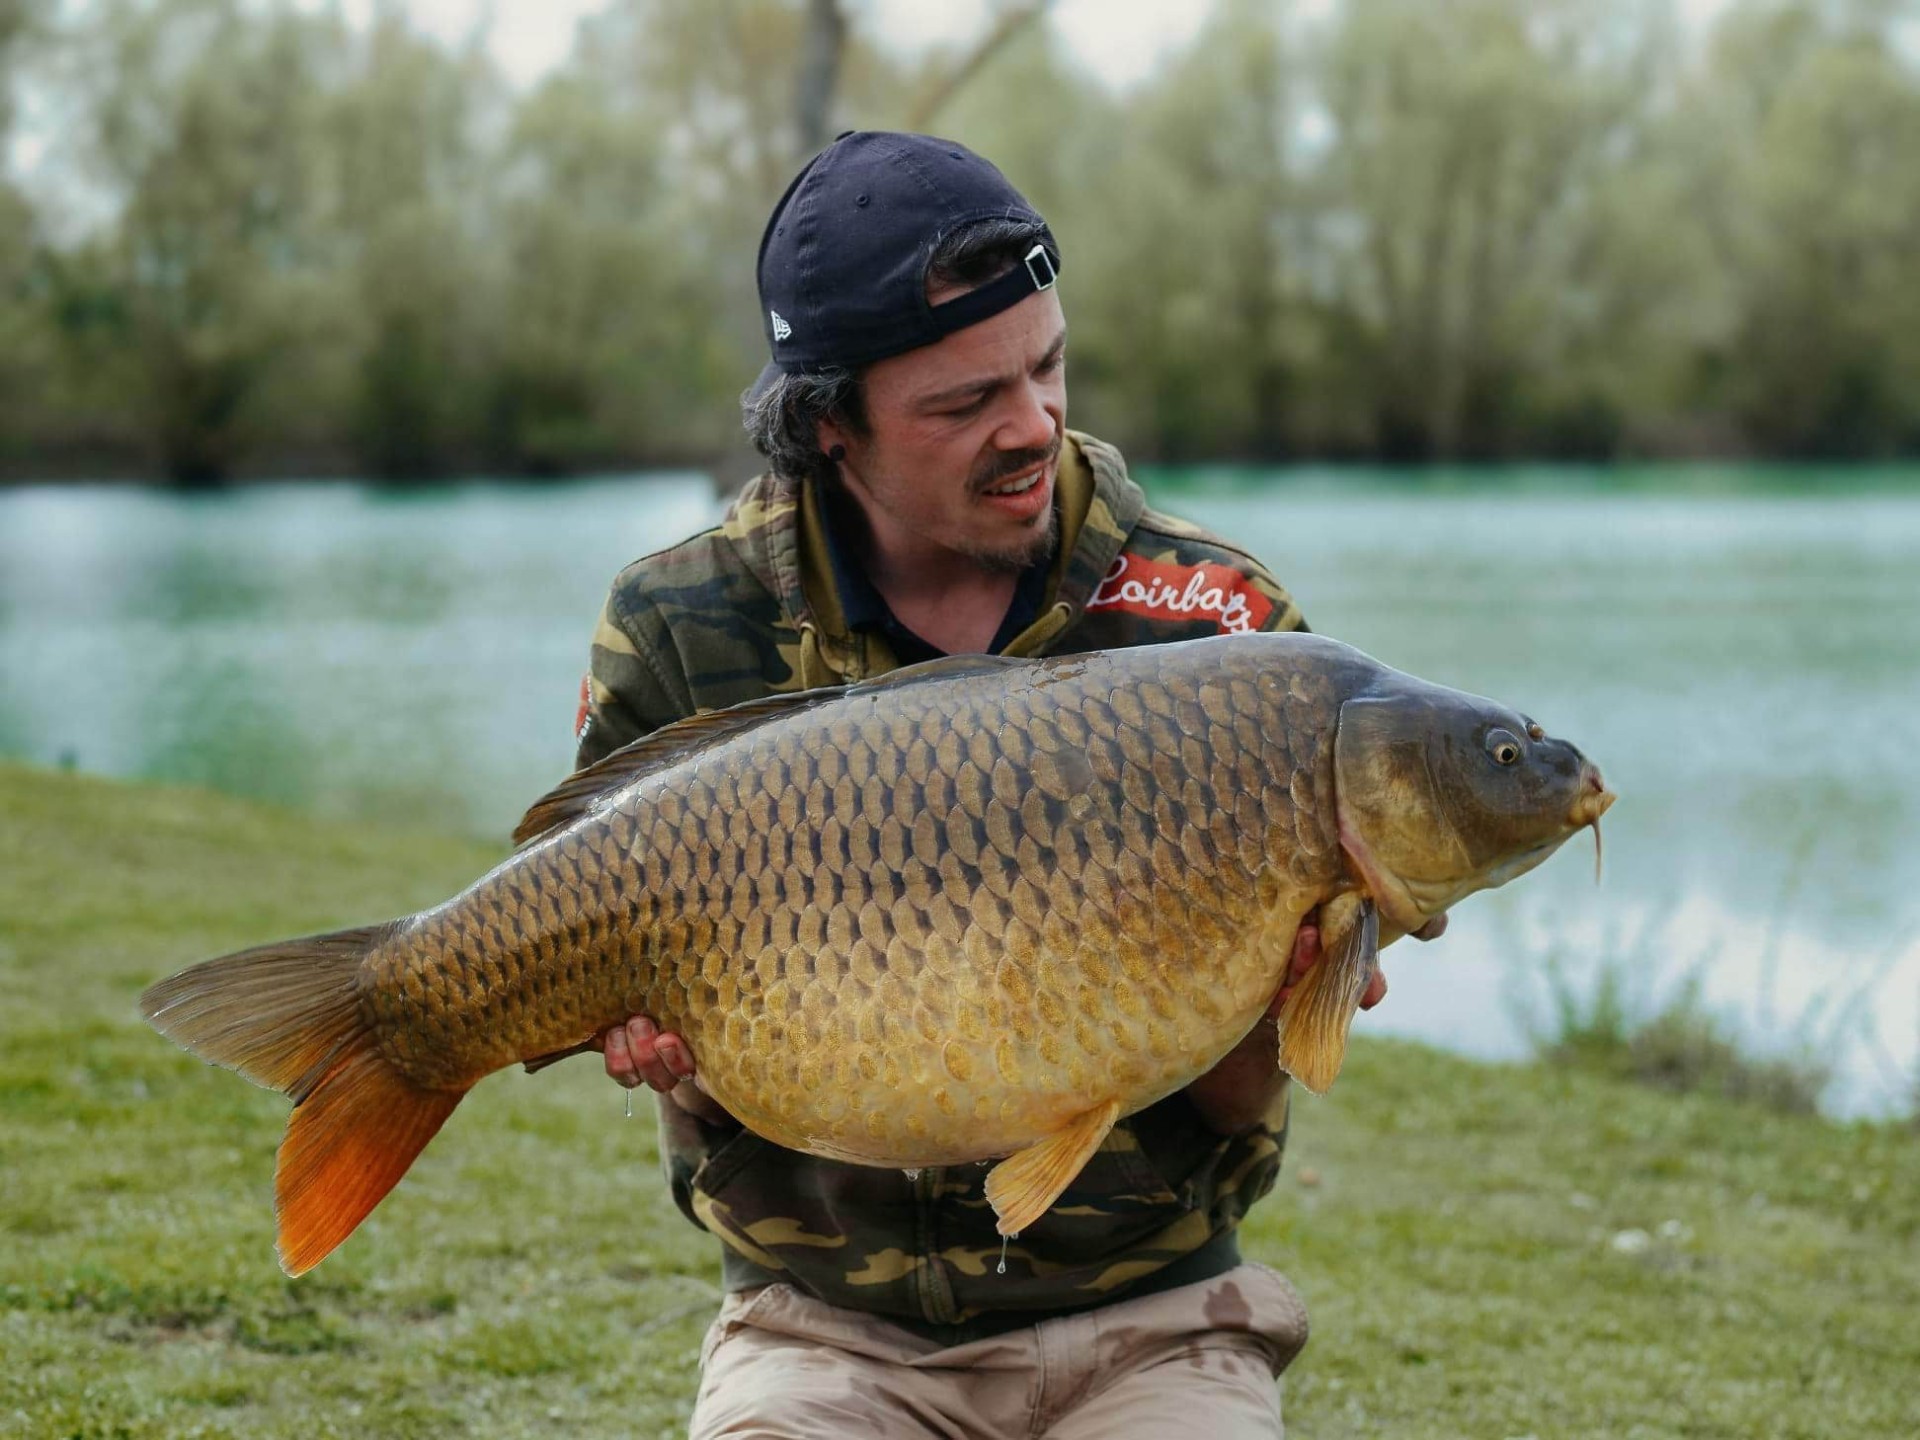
{"type": "Point", "coordinates": [767, 377]}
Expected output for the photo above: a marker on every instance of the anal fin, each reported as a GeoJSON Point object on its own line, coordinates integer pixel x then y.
{"type": "Point", "coordinates": [1315, 1020]}
{"type": "Point", "coordinates": [554, 1057]}
{"type": "Point", "coordinates": [347, 1145]}
{"type": "Point", "coordinates": [1022, 1187]}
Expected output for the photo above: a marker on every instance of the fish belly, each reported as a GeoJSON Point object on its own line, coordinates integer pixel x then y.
{"type": "Point", "coordinates": [874, 1089]}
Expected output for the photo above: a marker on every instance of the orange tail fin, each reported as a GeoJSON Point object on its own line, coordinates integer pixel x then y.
{"type": "Point", "coordinates": [288, 1017]}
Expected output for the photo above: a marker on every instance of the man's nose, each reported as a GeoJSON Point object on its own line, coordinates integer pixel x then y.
{"type": "Point", "coordinates": [1030, 422]}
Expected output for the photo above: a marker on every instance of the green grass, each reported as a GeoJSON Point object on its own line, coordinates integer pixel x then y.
{"type": "Point", "coordinates": [1486, 1250]}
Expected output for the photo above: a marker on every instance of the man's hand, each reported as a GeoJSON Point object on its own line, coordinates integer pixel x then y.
{"type": "Point", "coordinates": [1306, 955]}
{"type": "Point", "coordinates": [1238, 1093]}
{"type": "Point", "coordinates": [638, 1053]}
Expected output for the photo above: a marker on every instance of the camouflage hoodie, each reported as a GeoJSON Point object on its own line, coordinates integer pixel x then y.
{"type": "Point", "coordinates": [748, 608]}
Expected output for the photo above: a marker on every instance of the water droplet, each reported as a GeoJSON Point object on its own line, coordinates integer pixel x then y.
{"type": "Point", "coordinates": [629, 1104]}
{"type": "Point", "coordinates": [1001, 1268]}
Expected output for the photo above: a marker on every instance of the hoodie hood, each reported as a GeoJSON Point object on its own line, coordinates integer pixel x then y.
{"type": "Point", "coordinates": [775, 528]}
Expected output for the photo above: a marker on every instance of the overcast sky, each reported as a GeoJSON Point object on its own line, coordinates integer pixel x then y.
{"type": "Point", "coordinates": [1119, 40]}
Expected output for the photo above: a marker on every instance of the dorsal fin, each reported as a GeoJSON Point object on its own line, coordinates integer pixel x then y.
{"type": "Point", "coordinates": [575, 796]}
{"type": "Point", "coordinates": [947, 667]}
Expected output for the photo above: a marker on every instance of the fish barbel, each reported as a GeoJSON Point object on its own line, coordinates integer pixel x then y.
{"type": "Point", "coordinates": [977, 908]}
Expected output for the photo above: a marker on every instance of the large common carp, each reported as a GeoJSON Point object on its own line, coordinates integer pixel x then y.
{"type": "Point", "coordinates": [981, 907]}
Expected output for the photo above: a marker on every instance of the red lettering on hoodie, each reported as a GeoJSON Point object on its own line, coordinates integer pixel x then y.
{"type": "Point", "coordinates": [1182, 592]}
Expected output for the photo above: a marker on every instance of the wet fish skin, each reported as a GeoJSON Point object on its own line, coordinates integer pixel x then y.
{"type": "Point", "coordinates": [920, 926]}
{"type": "Point", "coordinates": [975, 909]}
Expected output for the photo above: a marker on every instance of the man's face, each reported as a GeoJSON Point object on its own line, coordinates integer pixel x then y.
{"type": "Point", "coordinates": [963, 439]}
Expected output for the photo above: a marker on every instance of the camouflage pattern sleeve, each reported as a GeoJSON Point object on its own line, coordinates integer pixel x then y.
{"type": "Point", "coordinates": [1286, 614]}
{"type": "Point", "coordinates": [634, 683]}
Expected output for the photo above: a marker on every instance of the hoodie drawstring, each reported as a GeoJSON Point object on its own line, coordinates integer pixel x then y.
{"type": "Point", "coordinates": [1042, 633]}
{"type": "Point", "coordinates": [813, 665]}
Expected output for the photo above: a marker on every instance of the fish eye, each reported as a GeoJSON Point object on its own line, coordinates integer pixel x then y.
{"type": "Point", "coordinates": [1504, 746]}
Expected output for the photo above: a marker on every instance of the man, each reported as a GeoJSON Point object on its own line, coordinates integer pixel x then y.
{"type": "Point", "coordinates": [926, 498]}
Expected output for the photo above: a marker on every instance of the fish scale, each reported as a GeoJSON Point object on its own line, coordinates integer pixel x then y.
{"type": "Point", "coordinates": [979, 908]}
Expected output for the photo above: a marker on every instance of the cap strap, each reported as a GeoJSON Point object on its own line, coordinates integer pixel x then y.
{"type": "Point", "coordinates": [1038, 271]}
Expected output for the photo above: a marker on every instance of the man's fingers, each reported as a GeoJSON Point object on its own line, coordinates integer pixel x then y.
{"type": "Point", "coordinates": [643, 1038]}
{"type": "Point", "coordinates": [638, 1054]}
{"type": "Point", "coordinates": [619, 1061]}
{"type": "Point", "coordinates": [1376, 990]}
{"type": "Point", "coordinates": [674, 1054]}
{"type": "Point", "coordinates": [1433, 929]}
{"type": "Point", "coordinates": [1306, 952]}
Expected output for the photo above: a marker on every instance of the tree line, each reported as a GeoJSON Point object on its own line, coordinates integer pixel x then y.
{"type": "Point", "coordinates": [249, 237]}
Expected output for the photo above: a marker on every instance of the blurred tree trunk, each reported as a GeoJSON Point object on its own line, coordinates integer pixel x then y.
{"type": "Point", "coordinates": [1009, 24]}
{"type": "Point", "coordinates": [1260, 279]}
{"type": "Point", "coordinates": [826, 37]}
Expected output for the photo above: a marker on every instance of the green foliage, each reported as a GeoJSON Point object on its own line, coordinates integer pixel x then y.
{"type": "Point", "coordinates": [1486, 1250]}
{"type": "Point", "coordinates": [264, 239]}
{"type": "Point", "coordinates": [1826, 336]}
{"type": "Point", "coordinates": [1679, 1046]}
{"type": "Point", "coordinates": [201, 112]}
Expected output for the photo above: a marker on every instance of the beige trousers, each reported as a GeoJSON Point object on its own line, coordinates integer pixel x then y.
{"type": "Point", "coordinates": [1200, 1360]}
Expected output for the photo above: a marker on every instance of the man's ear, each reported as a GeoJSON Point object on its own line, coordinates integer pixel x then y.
{"type": "Point", "coordinates": [829, 433]}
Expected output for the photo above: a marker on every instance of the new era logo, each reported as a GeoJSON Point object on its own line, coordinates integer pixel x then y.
{"type": "Point", "coordinates": [781, 330]}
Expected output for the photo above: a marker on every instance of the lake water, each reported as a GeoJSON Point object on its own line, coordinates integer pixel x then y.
{"type": "Point", "coordinates": [1742, 659]}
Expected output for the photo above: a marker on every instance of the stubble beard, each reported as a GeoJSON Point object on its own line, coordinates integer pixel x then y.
{"type": "Point", "coordinates": [1036, 546]}
{"type": "Point", "coordinates": [1010, 558]}
{"type": "Point", "coordinates": [1044, 531]}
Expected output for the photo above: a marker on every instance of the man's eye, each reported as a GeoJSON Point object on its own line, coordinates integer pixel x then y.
{"type": "Point", "coordinates": [1052, 363]}
{"type": "Point", "coordinates": [961, 412]}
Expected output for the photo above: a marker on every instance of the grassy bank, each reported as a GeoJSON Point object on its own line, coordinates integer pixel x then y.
{"type": "Point", "coordinates": [1487, 1251]}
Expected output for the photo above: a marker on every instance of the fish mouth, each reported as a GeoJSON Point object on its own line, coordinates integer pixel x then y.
{"type": "Point", "coordinates": [1595, 800]}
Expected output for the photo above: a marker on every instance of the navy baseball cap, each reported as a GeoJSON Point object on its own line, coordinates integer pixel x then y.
{"type": "Point", "coordinates": [843, 262]}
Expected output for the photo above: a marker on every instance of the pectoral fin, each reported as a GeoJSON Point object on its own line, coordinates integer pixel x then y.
{"type": "Point", "coordinates": [1317, 1015]}
{"type": "Point", "coordinates": [1022, 1187]}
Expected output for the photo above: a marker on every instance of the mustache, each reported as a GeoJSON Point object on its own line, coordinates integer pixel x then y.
{"type": "Point", "coordinates": [1009, 463]}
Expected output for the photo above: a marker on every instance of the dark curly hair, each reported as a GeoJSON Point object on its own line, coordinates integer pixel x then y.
{"type": "Point", "coordinates": [783, 420]}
